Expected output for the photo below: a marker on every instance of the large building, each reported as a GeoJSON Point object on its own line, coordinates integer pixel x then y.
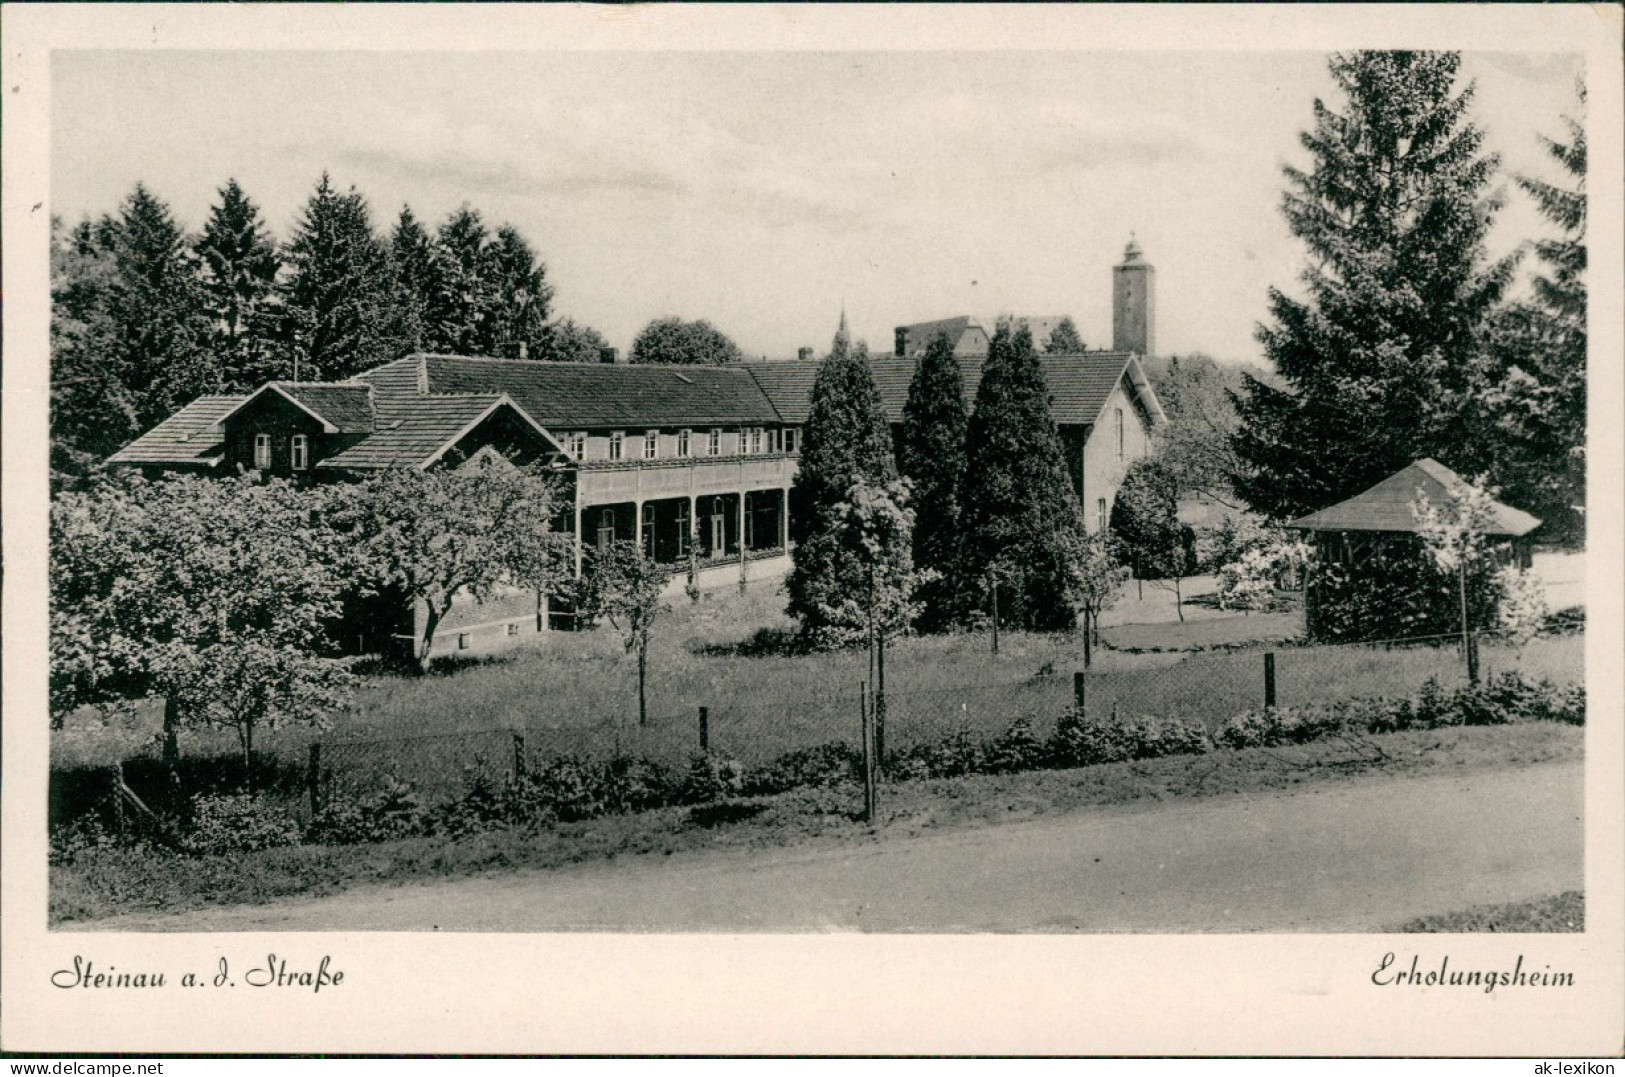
{"type": "Point", "coordinates": [693, 463]}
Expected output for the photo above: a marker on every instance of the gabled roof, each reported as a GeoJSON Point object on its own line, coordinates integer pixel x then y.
{"type": "Point", "coordinates": [568, 396]}
{"type": "Point", "coordinates": [191, 436]}
{"type": "Point", "coordinates": [415, 431]}
{"type": "Point", "coordinates": [1387, 505]}
{"type": "Point", "coordinates": [341, 407]}
{"type": "Point", "coordinates": [1079, 385]}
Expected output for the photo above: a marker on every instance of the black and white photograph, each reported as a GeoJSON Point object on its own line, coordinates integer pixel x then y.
{"type": "Point", "coordinates": [755, 479]}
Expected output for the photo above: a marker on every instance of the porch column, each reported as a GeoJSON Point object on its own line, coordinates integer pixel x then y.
{"type": "Point", "coordinates": [637, 525]}
{"type": "Point", "coordinates": [578, 527]}
{"type": "Point", "coordinates": [742, 496]}
{"type": "Point", "coordinates": [784, 518]}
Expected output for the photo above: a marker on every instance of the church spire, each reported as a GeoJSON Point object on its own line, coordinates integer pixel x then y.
{"type": "Point", "coordinates": [843, 337]}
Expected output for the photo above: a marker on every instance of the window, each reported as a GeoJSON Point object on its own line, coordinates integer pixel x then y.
{"type": "Point", "coordinates": [790, 439]}
{"type": "Point", "coordinates": [649, 529]}
{"type": "Point", "coordinates": [575, 446]}
{"type": "Point", "coordinates": [262, 450]}
{"type": "Point", "coordinates": [615, 440]}
{"type": "Point", "coordinates": [1119, 433]}
{"type": "Point", "coordinates": [1101, 517]}
{"type": "Point", "coordinates": [756, 440]}
{"type": "Point", "coordinates": [682, 442]}
{"type": "Point", "coordinates": [651, 444]}
{"type": "Point", "coordinates": [773, 440]}
{"type": "Point", "coordinates": [684, 528]}
{"type": "Point", "coordinates": [744, 440]}
{"type": "Point", "coordinates": [606, 530]}
{"type": "Point", "coordinates": [299, 451]}
{"type": "Point", "coordinates": [715, 446]}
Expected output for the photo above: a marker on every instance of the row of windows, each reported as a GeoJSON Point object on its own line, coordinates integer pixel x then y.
{"type": "Point", "coordinates": [756, 439]}
{"type": "Point", "coordinates": [298, 451]}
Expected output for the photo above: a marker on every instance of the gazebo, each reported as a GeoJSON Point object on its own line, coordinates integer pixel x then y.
{"type": "Point", "coordinates": [1376, 530]}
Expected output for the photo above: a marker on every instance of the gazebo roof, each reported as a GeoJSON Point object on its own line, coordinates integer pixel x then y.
{"type": "Point", "coordinates": [1387, 505]}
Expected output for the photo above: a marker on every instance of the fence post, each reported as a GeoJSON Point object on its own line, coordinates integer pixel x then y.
{"type": "Point", "coordinates": [705, 729]}
{"type": "Point", "coordinates": [313, 778]}
{"type": "Point", "coordinates": [518, 755]}
{"type": "Point", "coordinates": [1088, 642]}
{"type": "Point", "coordinates": [118, 795]}
{"type": "Point", "coordinates": [1269, 678]}
{"type": "Point", "coordinates": [1472, 657]}
{"type": "Point", "coordinates": [868, 755]}
{"type": "Point", "coordinates": [995, 616]}
{"type": "Point", "coordinates": [1079, 700]}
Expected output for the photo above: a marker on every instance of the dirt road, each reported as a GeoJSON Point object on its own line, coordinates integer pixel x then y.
{"type": "Point", "coordinates": [1353, 856]}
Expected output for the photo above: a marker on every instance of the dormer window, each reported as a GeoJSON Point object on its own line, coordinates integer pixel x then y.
{"type": "Point", "coordinates": [262, 451]}
{"type": "Point", "coordinates": [299, 452]}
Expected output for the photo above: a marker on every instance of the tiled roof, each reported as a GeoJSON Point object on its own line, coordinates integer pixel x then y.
{"type": "Point", "coordinates": [411, 429]}
{"type": "Point", "coordinates": [567, 396]}
{"type": "Point", "coordinates": [1078, 384]}
{"type": "Point", "coordinates": [345, 405]}
{"type": "Point", "coordinates": [189, 436]}
{"type": "Point", "coordinates": [1387, 505]}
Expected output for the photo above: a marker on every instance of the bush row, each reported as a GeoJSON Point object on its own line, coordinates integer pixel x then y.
{"type": "Point", "coordinates": [571, 789]}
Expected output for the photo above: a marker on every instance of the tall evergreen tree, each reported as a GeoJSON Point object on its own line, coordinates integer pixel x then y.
{"type": "Point", "coordinates": [846, 442]}
{"type": "Point", "coordinates": [524, 297]}
{"type": "Point", "coordinates": [1539, 401]}
{"type": "Point", "coordinates": [239, 263]}
{"type": "Point", "coordinates": [154, 301]}
{"type": "Point", "coordinates": [1379, 358]}
{"type": "Point", "coordinates": [931, 455]}
{"type": "Point", "coordinates": [465, 305]}
{"type": "Point", "coordinates": [416, 272]}
{"type": "Point", "coordinates": [1019, 518]}
{"type": "Point", "coordinates": [338, 315]}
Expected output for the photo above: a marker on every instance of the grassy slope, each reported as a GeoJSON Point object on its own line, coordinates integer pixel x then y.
{"type": "Point", "coordinates": [577, 692]}
{"type": "Point", "coordinates": [1563, 912]}
{"type": "Point", "coordinates": [112, 882]}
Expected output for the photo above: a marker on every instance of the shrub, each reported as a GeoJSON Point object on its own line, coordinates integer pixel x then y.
{"type": "Point", "coordinates": [1274, 726]}
{"type": "Point", "coordinates": [394, 811]}
{"type": "Point", "coordinates": [711, 777]}
{"type": "Point", "coordinates": [1016, 749]}
{"type": "Point", "coordinates": [949, 757]}
{"type": "Point", "coordinates": [633, 785]}
{"type": "Point", "coordinates": [824, 765]}
{"type": "Point", "coordinates": [573, 787]}
{"type": "Point", "coordinates": [489, 803]}
{"type": "Point", "coordinates": [238, 823]}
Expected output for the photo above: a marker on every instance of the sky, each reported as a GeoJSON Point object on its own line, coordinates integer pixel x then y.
{"type": "Point", "coordinates": [764, 191]}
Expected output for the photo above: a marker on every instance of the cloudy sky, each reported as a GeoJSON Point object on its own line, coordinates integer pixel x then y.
{"type": "Point", "coordinates": [763, 190]}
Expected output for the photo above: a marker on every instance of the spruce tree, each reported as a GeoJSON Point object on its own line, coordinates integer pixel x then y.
{"type": "Point", "coordinates": [1539, 399]}
{"type": "Point", "coordinates": [464, 307]}
{"type": "Point", "coordinates": [93, 412]}
{"type": "Point", "coordinates": [524, 297]}
{"type": "Point", "coordinates": [1019, 517]}
{"type": "Point", "coordinates": [416, 273]}
{"type": "Point", "coordinates": [338, 317]}
{"type": "Point", "coordinates": [846, 441]}
{"type": "Point", "coordinates": [1380, 357]}
{"type": "Point", "coordinates": [1064, 339]}
{"type": "Point", "coordinates": [931, 455]}
{"type": "Point", "coordinates": [155, 304]}
{"type": "Point", "coordinates": [239, 264]}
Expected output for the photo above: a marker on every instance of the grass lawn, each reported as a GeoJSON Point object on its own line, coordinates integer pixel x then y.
{"type": "Point", "coordinates": [109, 882]}
{"type": "Point", "coordinates": [1563, 912]}
{"type": "Point", "coordinates": [576, 693]}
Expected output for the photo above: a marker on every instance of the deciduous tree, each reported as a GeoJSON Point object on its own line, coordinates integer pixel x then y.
{"type": "Point", "coordinates": [623, 585]}
{"type": "Point", "coordinates": [672, 340]}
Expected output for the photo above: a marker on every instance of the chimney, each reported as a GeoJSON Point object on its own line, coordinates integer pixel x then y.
{"type": "Point", "coordinates": [804, 354]}
{"type": "Point", "coordinates": [607, 355]}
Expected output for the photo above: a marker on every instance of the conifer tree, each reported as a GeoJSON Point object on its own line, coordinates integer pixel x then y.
{"type": "Point", "coordinates": [154, 302]}
{"type": "Point", "coordinates": [464, 307]}
{"type": "Point", "coordinates": [338, 315]}
{"type": "Point", "coordinates": [239, 264]}
{"type": "Point", "coordinates": [1019, 518]}
{"type": "Point", "coordinates": [524, 297]}
{"type": "Point", "coordinates": [931, 455]}
{"type": "Point", "coordinates": [92, 412]}
{"type": "Point", "coordinates": [1539, 401]}
{"type": "Point", "coordinates": [846, 442]}
{"type": "Point", "coordinates": [1064, 339]}
{"type": "Point", "coordinates": [1379, 358]}
{"type": "Point", "coordinates": [416, 273]}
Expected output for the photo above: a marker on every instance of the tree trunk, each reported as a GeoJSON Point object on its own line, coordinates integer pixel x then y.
{"type": "Point", "coordinates": [643, 667]}
{"type": "Point", "coordinates": [248, 755]}
{"type": "Point", "coordinates": [1179, 601]}
{"type": "Point", "coordinates": [995, 616]}
{"type": "Point", "coordinates": [172, 724]}
{"type": "Point", "coordinates": [431, 621]}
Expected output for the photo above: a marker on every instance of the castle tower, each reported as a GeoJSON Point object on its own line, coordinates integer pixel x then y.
{"type": "Point", "coordinates": [1134, 310]}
